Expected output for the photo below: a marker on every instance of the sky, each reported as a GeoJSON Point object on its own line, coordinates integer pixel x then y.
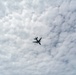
{"type": "Point", "coordinates": [23, 20]}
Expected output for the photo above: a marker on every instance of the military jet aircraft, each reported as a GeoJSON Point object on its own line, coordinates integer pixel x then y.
{"type": "Point", "coordinates": [37, 41]}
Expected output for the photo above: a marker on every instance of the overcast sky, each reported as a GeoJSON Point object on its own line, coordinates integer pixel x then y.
{"type": "Point", "coordinates": [54, 21]}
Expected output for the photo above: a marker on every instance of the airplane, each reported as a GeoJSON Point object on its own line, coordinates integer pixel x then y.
{"type": "Point", "coordinates": [37, 41]}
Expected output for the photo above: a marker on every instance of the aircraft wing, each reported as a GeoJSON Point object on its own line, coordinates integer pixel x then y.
{"type": "Point", "coordinates": [40, 39]}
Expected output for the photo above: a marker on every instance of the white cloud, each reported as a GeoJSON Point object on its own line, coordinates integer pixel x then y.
{"type": "Point", "coordinates": [54, 21]}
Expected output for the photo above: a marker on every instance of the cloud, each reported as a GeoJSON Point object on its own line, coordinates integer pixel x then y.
{"type": "Point", "coordinates": [54, 21]}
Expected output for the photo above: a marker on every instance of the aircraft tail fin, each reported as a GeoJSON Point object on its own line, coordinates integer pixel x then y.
{"type": "Point", "coordinates": [35, 38]}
